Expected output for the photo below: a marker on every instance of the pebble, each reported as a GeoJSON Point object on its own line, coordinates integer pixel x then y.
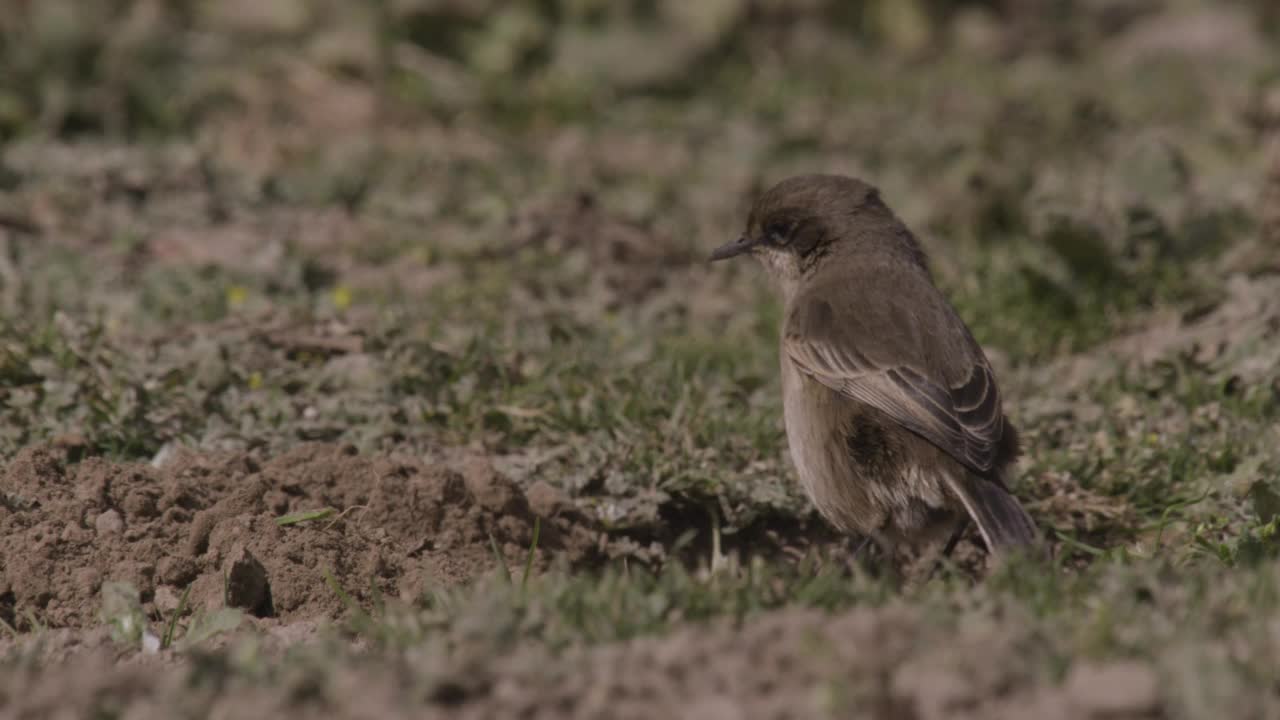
{"type": "Point", "coordinates": [109, 522]}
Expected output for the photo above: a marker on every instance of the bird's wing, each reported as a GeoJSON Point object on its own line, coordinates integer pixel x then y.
{"type": "Point", "coordinates": [913, 360]}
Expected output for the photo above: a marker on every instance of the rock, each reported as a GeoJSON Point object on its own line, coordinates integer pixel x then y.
{"type": "Point", "coordinates": [109, 522]}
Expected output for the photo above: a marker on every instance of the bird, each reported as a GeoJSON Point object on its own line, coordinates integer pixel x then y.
{"type": "Point", "coordinates": [894, 421]}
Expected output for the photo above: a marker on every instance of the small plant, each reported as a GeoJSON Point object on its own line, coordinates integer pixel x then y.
{"type": "Point", "coordinates": [206, 625]}
{"type": "Point", "coordinates": [305, 516]}
{"type": "Point", "coordinates": [167, 641]}
{"type": "Point", "coordinates": [122, 612]}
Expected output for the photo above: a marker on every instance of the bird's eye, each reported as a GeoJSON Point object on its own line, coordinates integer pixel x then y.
{"type": "Point", "coordinates": [777, 233]}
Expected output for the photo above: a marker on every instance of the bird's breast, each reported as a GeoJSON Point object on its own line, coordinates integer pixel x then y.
{"type": "Point", "coordinates": [814, 416]}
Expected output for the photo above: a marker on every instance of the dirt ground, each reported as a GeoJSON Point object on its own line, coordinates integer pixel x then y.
{"type": "Point", "coordinates": [359, 360]}
{"type": "Point", "coordinates": [794, 664]}
{"type": "Point", "coordinates": [211, 524]}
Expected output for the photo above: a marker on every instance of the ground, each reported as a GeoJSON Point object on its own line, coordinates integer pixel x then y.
{"type": "Point", "coordinates": [360, 360]}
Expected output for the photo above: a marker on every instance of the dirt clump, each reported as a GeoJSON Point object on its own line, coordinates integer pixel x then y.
{"type": "Point", "coordinates": [376, 525]}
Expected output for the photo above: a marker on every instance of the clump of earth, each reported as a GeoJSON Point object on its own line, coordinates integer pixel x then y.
{"type": "Point", "coordinates": [268, 536]}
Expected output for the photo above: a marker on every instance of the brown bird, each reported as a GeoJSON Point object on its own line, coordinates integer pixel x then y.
{"type": "Point", "coordinates": [893, 417]}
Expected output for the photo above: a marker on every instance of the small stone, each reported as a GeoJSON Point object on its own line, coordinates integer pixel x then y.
{"type": "Point", "coordinates": [109, 522]}
{"type": "Point", "coordinates": [1116, 689]}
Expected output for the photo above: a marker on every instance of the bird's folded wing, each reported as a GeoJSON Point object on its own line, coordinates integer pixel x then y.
{"type": "Point", "coordinates": [904, 371]}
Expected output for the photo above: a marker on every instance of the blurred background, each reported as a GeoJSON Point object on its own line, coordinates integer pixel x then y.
{"type": "Point", "coordinates": [414, 224]}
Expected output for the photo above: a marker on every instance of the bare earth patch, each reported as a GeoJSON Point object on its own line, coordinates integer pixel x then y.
{"type": "Point", "coordinates": [394, 527]}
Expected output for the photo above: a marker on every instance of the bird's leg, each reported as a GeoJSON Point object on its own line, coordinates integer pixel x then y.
{"type": "Point", "coordinates": [871, 556]}
{"type": "Point", "coordinates": [950, 547]}
{"type": "Point", "coordinates": [955, 537]}
{"type": "Point", "coordinates": [861, 548]}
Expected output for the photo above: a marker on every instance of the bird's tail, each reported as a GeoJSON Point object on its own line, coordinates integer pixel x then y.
{"type": "Point", "coordinates": [1004, 524]}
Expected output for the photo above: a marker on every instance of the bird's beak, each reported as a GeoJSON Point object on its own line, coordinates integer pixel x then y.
{"type": "Point", "coordinates": [728, 250]}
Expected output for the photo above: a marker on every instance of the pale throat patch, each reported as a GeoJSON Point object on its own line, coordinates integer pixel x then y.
{"type": "Point", "coordinates": [782, 268]}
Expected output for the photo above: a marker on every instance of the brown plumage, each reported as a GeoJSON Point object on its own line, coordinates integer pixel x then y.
{"type": "Point", "coordinates": [893, 416]}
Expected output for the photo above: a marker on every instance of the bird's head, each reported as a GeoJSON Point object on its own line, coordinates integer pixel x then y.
{"type": "Point", "coordinates": [796, 225]}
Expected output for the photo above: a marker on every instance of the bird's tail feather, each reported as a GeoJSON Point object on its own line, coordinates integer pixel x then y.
{"type": "Point", "coordinates": [1004, 524]}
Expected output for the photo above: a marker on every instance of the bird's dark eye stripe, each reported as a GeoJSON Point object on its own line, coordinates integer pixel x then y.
{"type": "Point", "coordinates": [778, 232]}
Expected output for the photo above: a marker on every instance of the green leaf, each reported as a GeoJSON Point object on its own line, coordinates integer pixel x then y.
{"type": "Point", "coordinates": [208, 625]}
{"type": "Point", "coordinates": [122, 611]}
{"type": "Point", "coordinates": [304, 516]}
